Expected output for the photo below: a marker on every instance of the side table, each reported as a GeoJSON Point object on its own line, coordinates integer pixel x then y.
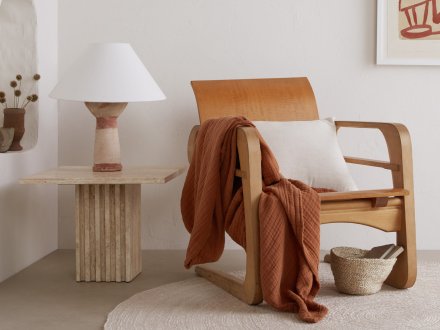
{"type": "Point", "coordinates": [107, 217]}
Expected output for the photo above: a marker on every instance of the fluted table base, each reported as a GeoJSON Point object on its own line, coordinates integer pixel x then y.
{"type": "Point", "coordinates": [108, 242]}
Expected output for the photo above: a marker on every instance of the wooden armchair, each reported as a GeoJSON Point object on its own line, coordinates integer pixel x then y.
{"type": "Point", "coordinates": [390, 210]}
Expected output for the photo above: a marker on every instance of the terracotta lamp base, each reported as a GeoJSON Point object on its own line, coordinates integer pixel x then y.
{"type": "Point", "coordinates": [107, 167]}
{"type": "Point", "coordinates": [107, 154]}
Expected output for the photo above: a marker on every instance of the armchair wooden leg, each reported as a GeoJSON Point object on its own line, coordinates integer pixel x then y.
{"type": "Point", "coordinates": [398, 140]}
{"type": "Point", "coordinates": [246, 291]}
{"type": "Point", "coordinates": [249, 290]}
{"type": "Point", "coordinates": [404, 272]}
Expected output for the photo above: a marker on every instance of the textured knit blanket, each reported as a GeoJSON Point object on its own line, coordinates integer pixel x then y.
{"type": "Point", "coordinates": [212, 203]}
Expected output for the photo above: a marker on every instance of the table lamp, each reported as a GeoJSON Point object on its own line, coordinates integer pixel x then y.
{"type": "Point", "coordinates": [106, 77]}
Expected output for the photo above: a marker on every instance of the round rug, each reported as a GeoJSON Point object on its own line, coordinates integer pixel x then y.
{"type": "Point", "coordinates": [198, 304]}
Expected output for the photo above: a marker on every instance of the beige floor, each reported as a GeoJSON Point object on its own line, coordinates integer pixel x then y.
{"type": "Point", "coordinates": [46, 296]}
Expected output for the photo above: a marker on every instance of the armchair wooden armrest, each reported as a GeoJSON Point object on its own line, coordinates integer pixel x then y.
{"type": "Point", "coordinates": [400, 154]}
{"type": "Point", "coordinates": [192, 142]}
{"type": "Point", "coordinates": [399, 150]}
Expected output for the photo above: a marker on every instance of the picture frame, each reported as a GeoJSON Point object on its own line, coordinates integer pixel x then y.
{"type": "Point", "coordinates": [408, 32]}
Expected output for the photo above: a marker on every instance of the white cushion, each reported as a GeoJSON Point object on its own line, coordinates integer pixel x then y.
{"type": "Point", "coordinates": [308, 151]}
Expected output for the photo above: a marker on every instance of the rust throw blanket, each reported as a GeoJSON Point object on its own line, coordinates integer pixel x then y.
{"type": "Point", "coordinates": [212, 203]}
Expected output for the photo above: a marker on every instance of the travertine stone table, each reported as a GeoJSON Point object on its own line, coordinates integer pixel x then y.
{"type": "Point", "coordinates": [107, 216]}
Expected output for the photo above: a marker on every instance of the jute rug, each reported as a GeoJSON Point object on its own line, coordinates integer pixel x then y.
{"type": "Point", "coordinates": [197, 304]}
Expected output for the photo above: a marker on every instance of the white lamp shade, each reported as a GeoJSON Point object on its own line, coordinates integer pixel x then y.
{"type": "Point", "coordinates": [108, 72]}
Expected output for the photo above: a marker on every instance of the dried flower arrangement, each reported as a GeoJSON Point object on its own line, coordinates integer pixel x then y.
{"type": "Point", "coordinates": [16, 85]}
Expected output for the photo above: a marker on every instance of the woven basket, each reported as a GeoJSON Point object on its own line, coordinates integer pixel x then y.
{"type": "Point", "coordinates": [355, 275]}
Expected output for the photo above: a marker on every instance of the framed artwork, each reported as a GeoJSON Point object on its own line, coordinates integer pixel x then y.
{"type": "Point", "coordinates": [408, 32]}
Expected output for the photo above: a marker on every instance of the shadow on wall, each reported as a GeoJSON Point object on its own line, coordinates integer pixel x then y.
{"type": "Point", "coordinates": [17, 220]}
{"type": "Point", "coordinates": [18, 65]}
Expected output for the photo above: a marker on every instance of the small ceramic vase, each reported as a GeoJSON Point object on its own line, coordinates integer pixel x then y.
{"type": "Point", "coordinates": [6, 136]}
{"type": "Point", "coordinates": [14, 118]}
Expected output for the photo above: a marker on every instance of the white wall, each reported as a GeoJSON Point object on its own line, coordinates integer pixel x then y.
{"type": "Point", "coordinates": [29, 214]}
{"type": "Point", "coordinates": [331, 42]}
